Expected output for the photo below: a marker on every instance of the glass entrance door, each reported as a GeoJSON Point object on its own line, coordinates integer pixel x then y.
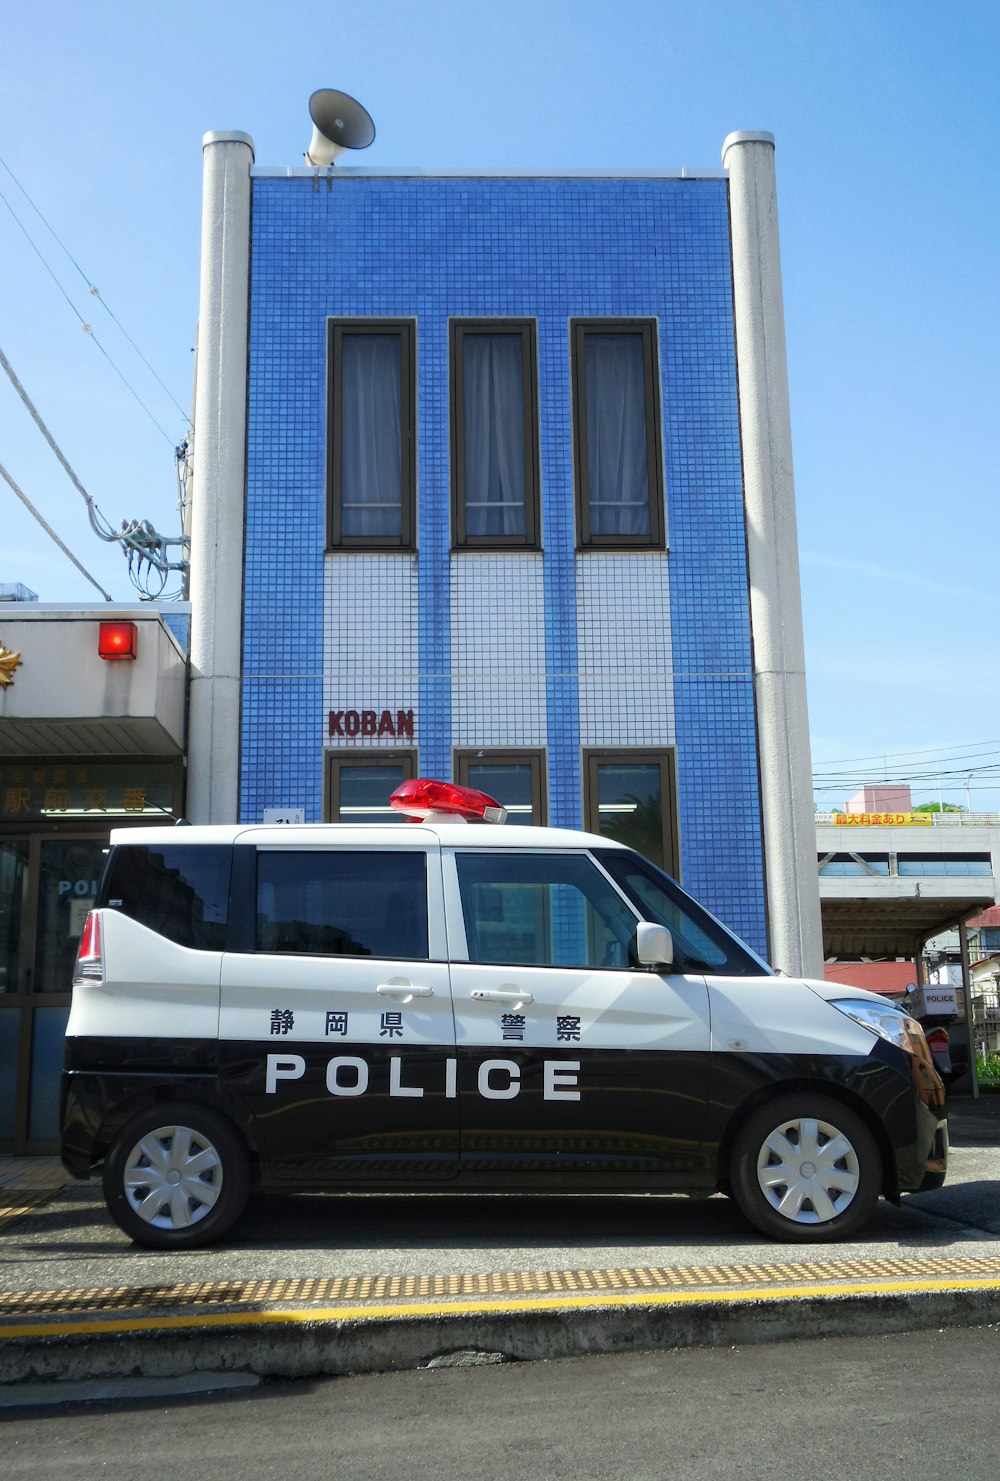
{"type": "Point", "coordinates": [13, 894]}
{"type": "Point", "coordinates": [47, 884]}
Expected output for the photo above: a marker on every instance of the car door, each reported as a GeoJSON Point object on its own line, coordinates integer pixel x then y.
{"type": "Point", "coordinates": [577, 1067]}
{"type": "Point", "coordinates": [336, 1029]}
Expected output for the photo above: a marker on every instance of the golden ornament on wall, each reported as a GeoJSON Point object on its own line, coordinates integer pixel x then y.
{"type": "Point", "coordinates": [8, 663]}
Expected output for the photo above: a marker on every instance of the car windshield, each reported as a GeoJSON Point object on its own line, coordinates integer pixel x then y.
{"type": "Point", "coordinates": [701, 943]}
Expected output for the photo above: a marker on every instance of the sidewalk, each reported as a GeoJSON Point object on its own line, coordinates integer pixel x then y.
{"type": "Point", "coordinates": [341, 1283]}
{"type": "Point", "coordinates": [26, 1182]}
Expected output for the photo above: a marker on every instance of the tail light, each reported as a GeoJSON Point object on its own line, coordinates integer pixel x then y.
{"type": "Point", "coordinates": [90, 956]}
{"type": "Point", "coordinates": [423, 799]}
{"type": "Point", "coordinates": [937, 1041]}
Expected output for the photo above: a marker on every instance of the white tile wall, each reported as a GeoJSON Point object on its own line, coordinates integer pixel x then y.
{"type": "Point", "coordinates": [370, 652]}
{"type": "Point", "coordinates": [624, 650]}
{"type": "Point", "coordinates": [497, 650]}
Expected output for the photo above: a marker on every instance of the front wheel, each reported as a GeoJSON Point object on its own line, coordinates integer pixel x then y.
{"type": "Point", "coordinates": [805, 1169]}
{"type": "Point", "coordinates": [176, 1176]}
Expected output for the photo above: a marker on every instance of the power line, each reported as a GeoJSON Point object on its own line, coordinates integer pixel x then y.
{"type": "Point", "coordinates": [903, 774]}
{"type": "Point", "coordinates": [139, 540]}
{"type": "Point", "coordinates": [941, 751]}
{"type": "Point", "coordinates": [51, 532]}
{"type": "Point", "coordinates": [91, 286]}
{"type": "Point", "coordinates": [92, 510]}
{"type": "Point", "coordinates": [87, 328]}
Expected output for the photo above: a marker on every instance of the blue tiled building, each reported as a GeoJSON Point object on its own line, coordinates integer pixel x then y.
{"type": "Point", "coordinates": [492, 519]}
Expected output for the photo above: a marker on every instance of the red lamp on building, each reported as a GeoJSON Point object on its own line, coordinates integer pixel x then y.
{"type": "Point", "coordinates": [117, 640]}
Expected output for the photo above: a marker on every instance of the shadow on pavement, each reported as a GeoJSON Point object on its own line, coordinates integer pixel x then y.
{"type": "Point", "coordinates": [73, 1227]}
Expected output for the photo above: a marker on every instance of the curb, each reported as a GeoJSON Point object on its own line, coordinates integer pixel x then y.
{"type": "Point", "coordinates": [308, 1344]}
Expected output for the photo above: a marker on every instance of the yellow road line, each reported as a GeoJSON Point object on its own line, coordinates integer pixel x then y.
{"type": "Point", "coordinates": [639, 1299]}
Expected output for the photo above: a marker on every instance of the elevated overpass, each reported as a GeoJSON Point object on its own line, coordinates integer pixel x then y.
{"type": "Point", "coordinates": [890, 882]}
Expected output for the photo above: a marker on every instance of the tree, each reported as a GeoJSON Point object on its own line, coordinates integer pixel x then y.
{"type": "Point", "coordinates": [938, 807]}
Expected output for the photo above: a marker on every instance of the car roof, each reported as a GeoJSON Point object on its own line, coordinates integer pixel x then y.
{"type": "Point", "coordinates": [378, 835]}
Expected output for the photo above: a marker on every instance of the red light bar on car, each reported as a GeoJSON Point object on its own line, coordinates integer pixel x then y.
{"type": "Point", "coordinates": [423, 799]}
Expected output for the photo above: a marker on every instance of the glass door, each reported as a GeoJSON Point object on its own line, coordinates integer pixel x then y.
{"type": "Point", "coordinates": [47, 885]}
{"type": "Point", "coordinates": [13, 895]}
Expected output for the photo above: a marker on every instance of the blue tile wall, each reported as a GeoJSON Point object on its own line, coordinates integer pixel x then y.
{"type": "Point", "coordinates": [179, 624]}
{"type": "Point", "coordinates": [551, 249]}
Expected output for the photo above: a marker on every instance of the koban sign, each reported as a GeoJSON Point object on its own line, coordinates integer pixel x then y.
{"type": "Point", "coordinates": [352, 723]}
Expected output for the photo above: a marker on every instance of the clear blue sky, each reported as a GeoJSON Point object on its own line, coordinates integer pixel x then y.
{"type": "Point", "coordinates": [886, 121]}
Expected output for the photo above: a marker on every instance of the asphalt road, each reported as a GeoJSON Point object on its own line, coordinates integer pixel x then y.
{"type": "Point", "coordinates": [916, 1408]}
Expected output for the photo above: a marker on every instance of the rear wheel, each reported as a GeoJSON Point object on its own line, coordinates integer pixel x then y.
{"type": "Point", "coordinates": [176, 1176]}
{"type": "Point", "coordinates": [805, 1169]}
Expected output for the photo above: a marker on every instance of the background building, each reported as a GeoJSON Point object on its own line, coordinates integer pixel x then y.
{"type": "Point", "coordinates": [516, 508]}
{"type": "Point", "coordinates": [908, 897]}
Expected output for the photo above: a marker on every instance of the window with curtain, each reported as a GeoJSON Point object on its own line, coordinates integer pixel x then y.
{"type": "Point", "coordinates": [370, 443]}
{"type": "Point", "coordinates": [617, 434]}
{"type": "Point", "coordinates": [493, 433]}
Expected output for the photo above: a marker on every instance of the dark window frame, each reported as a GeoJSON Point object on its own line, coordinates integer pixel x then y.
{"type": "Point", "coordinates": [585, 539]}
{"type": "Point", "coordinates": [336, 540]}
{"type": "Point", "coordinates": [338, 761]}
{"type": "Point", "coordinates": [526, 329]}
{"type": "Point", "coordinates": [509, 756]}
{"type": "Point", "coordinates": [663, 756]}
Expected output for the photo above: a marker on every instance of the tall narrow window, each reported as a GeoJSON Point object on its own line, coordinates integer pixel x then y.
{"type": "Point", "coordinates": [617, 434]}
{"type": "Point", "coordinates": [359, 786]}
{"type": "Point", "coordinates": [631, 797]}
{"type": "Point", "coordinates": [515, 778]}
{"type": "Point", "coordinates": [494, 440]}
{"type": "Point", "coordinates": [370, 441]}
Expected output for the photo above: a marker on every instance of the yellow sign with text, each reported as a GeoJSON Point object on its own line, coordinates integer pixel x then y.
{"type": "Point", "coordinates": [884, 819]}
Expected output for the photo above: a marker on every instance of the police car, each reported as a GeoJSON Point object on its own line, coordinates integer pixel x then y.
{"type": "Point", "coordinates": [434, 1005]}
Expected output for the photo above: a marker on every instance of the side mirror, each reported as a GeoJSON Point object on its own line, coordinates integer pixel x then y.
{"type": "Point", "coordinates": [654, 945]}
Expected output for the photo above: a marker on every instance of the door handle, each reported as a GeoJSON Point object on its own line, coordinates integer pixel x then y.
{"type": "Point", "coordinates": [403, 990]}
{"type": "Point", "coordinates": [499, 995]}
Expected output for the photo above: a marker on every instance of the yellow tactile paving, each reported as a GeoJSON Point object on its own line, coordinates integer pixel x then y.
{"type": "Point", "coordinates": [339, 1296]}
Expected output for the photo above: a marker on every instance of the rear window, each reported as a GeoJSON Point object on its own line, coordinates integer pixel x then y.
{"type": "Point", "coordinates": [342, 903]}
{"type": "Point", "coordinates": [181, 891]}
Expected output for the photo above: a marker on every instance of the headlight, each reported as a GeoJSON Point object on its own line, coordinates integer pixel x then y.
{"type": "Point", "coordinates": [888, 1022]}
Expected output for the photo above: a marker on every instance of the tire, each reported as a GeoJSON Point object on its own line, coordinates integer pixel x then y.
{"type": "Point", "coordinates": [177, 1176]}
{"type": "Point", "coordinates": [805, 1169]}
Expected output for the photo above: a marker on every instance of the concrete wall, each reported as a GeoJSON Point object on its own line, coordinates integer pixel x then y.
{"type": "Point", "coordinates": [66, 699]}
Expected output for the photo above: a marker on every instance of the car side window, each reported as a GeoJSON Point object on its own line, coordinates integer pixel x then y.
{"type": "Point", "coordinates": [701, 943]}
{"type": "Point", "coordinates": [346, 902]}
{"type": "Point", "coordinates": [542, 910]}
{"type": "Point", "coordinates": [181, 891]}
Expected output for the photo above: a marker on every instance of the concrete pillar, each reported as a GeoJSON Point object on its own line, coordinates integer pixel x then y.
{"type": "Point", "coordinates": [795, 929]}
{"type": "Point", "coordinates": [968, 1006]}
{"type": "Point", "coordinates": [218, 494]}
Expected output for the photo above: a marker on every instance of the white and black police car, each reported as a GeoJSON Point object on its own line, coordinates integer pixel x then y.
{"type": "Point", "coordinates": [431, 1005]}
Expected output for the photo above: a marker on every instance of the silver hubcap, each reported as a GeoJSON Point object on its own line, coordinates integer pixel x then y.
{"type": "Point", "coordinates": [808, 1171]}
{"type": "Point", "coordinates": [173, 1177]}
